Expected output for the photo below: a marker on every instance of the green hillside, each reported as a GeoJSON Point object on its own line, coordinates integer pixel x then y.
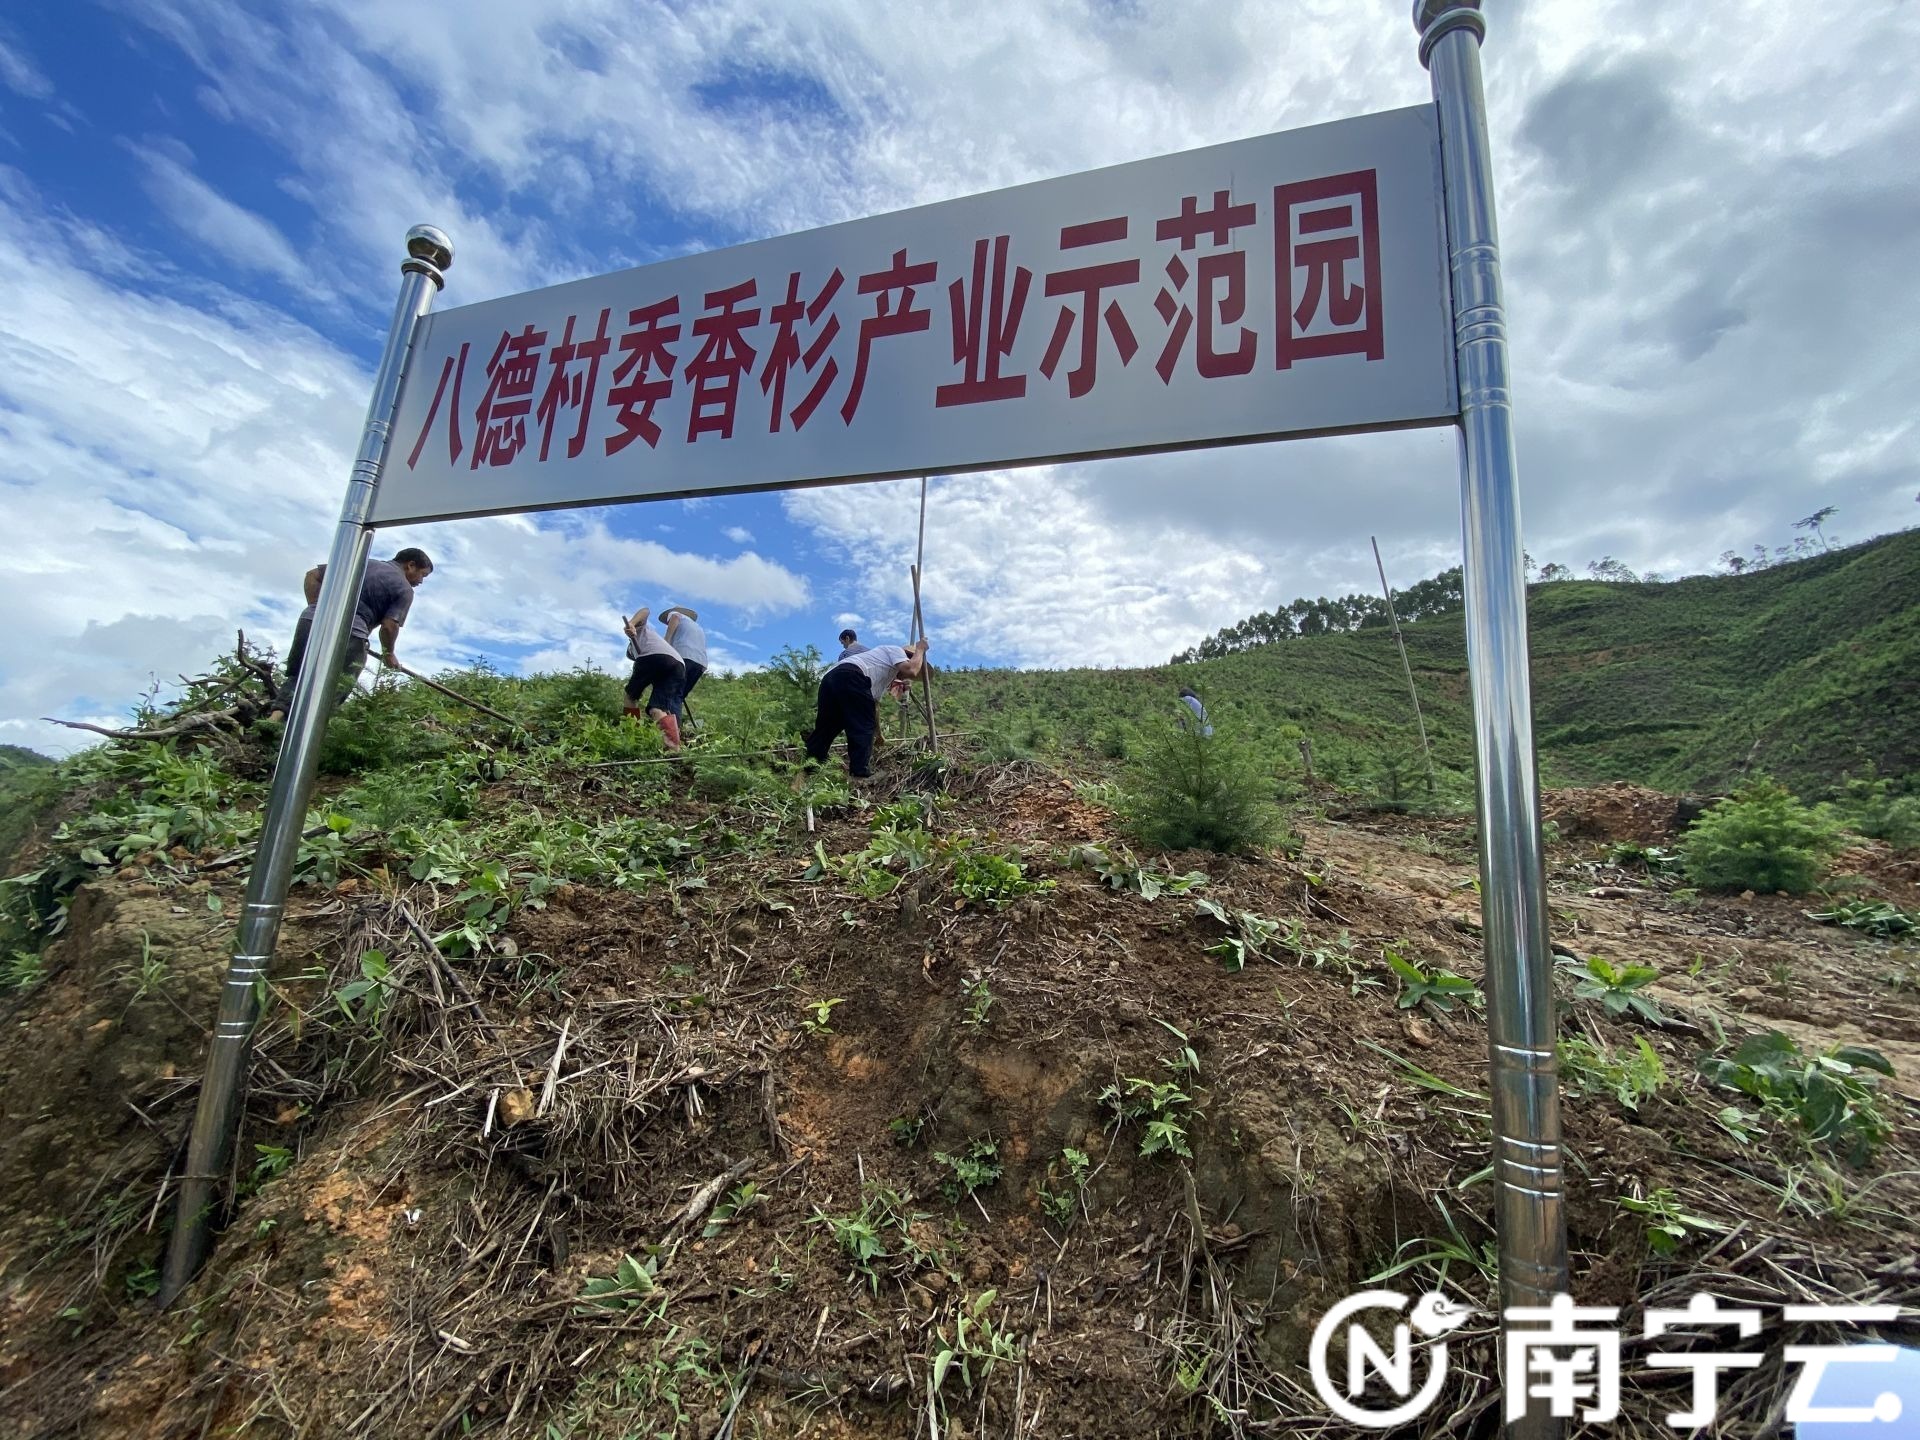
{"type": "Point", "coordinates": [1808, 670]}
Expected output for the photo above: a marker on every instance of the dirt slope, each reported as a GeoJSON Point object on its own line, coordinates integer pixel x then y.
{"type": "Point", "coordinates": [655, 1079]}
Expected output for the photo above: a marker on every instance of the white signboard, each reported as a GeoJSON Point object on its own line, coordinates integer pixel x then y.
{"type": "Point", "coordinates": [1290, 284]}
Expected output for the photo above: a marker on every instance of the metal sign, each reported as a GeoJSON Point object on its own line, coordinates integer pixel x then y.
{"type": "Point", "coordinates": [1284, 285]}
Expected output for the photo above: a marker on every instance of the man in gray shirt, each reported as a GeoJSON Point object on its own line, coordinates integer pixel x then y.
{"type": "Point", "coordinates": [685, 635]}
{"type": "Point", "coordinates": [386, 597]}
{"type": "Point", "coordinates": [850, 645]}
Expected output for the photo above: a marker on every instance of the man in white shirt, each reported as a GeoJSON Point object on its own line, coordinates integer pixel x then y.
{"type": "Point", "coordinates": [849, 698]}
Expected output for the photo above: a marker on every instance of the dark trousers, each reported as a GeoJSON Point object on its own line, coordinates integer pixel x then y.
{"type": "Point", "coordinates": [350, 664]}
{"type": "Point", "coordinates": [690, 677]}
{"type": "Point", "coordinates": [663, 673]}
{"type": "Point", "coordinates": [846, 703]}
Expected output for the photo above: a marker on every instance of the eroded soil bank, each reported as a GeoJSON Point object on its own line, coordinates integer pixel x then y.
{"type": "Point", "coordinates": [763, 1140]}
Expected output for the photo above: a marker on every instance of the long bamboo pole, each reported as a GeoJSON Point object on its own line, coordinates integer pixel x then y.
{"type": "Point", "coordinates": [1406, 664]}
{"type": "Point", "coordinates": [919, 621]}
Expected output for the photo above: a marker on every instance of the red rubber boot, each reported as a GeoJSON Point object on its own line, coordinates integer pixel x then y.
{"type": "Point", "coordinates": [670, 727]}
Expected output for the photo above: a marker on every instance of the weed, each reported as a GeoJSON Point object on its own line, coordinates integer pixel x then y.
{"type": "Point", "coordinates": [24, 970]}
{"type": "Point", "coordinates": [820, 1022]}
{"type": "Point", "coordinates": [1880, 918]}
{"type": "Point", "coordinates": [1617, 987]}
{"type": "Point", "coordinates": [1762, 839]}
{"type": "Point", "coordinates": [153, 972]}
{"type": "Point", "coordinates": [1124, 872]}
{"type": "Point", "coordinates": [270, 1163]}
{"type": "Point", "coordinates": [906, 1130]}
{"type": "Point", "coordinates": [632, 1286]}
{"type": "Point", "coordinates": [142, 1282]}
{"type": "Point", "coordinates": [1251, 934]}
{"type": "Point", "coordinates": [737, 1203]}
{"type": "Point", "coordinates": [1668, 1226]}
{"type": "Point", "coordinates": [979, 1001]}
{"type": "Point", "coordinates": [977, 1347]}
{"type": "Point", "coordinates": [1418, 983]}
{"type": "Point", "coordinates": [364, 1001]}
{"type": "Point", "coordinates": [1164, 1107]}
{"type": "Point", "coordinates": [1830, 1097]}
{"type": "Point", "coordinates": [863, 1236]}
{"type": "Point", "coordinates": [1652, 858]}
{"type": "Point", "coordinates": [975, 1168]}
{"type": "Point", "coordinates": [1071, 1171]}
{"type": "Point", "coordinates": [993, 881]}
{"type": "Point", "coordinates": [1442, 1254]}
{"type": "Point", "coordinates": [1588, 1069]}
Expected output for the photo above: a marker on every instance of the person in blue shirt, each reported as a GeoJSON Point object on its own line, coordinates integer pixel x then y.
{"type": "Point", "coordinates": [850, 645]}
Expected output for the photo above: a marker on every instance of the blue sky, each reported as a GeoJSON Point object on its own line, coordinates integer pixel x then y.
{"type": "Point", "coordinates": [201, 207]}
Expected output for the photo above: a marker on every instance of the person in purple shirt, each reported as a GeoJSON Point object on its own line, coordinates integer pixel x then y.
{"type": "Point", "coordinates": [386, 597]}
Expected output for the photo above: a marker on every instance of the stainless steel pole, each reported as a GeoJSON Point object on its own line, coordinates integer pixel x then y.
{"type": "Point", "coordinates": [1520, 1021]}
{"type": "Point", "coordinates": [428, 254]}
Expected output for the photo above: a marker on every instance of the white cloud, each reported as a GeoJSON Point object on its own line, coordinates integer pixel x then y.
{"type": "Point", "coordinates": [205, 215]}
{"type": "Point", "coordinates": [738, 534]}
{"type": "Point", "coordinates": [174, 467]}
{"type": "Point", "coordinates": [19, 73]}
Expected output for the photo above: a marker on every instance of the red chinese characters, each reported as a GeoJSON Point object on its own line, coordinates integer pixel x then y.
{"type": "Point", "coordinates": [786, 351]}
{"type": "Point", "coordinates": [1222, 289]}
{"type": "Point", "coordinates": [724, 357]}
{"type": "Point", "coordinates": [569, 389]}
{"type": "Point", "coordinates": [644, 377]}
{"type": "Point", "coordinates": [448, 369]}
{"type": "Point", "coordinates": [1326, 238]}
{"type": "Point", "coordinates": [501, 416]}
{"type": "Point", "coordinates": [889, 318]}
{"type": "Point", "coordinates": [984, 328]}
{"type": "Point", "coordinates": [1088, 282]}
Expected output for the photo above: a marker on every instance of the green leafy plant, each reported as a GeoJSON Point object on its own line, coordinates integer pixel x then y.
{"type": "Point", "coordinates": [1418, 983]}
{"type": "Point", "coordinates": [1163, 1108]}
{"type": "Point", "coordinates": [632, 1286]}
{"type": "Point", "coordinates": [1762, 839]}
{"type": "Point", "coordinates": [820, 1022]}
{"type": "Point", "coordinates": [975, 1168]}
{"type": "Point", "coordinates": [980, 1000]}
{"type": "Point", "coordinates": [1123, 871]}
{"type": "Point", "coordinates": [864, 1235]}
{"type": "Point", "coordinates": [993, 881]}
{"type": "Point", "coordinates": [737, 1203]}
{"type": "Point", "coordinates": [1070, 1171]}
{"type": "Point", "coordinates": [976, 1347]}
{"type": "Point", "coordinates": [270, 1163]}
{"type": "Point", "coordinates": [364, 1001]}
{"type": "Point", "coordinates": [1668, 1225]}
{"type": "Point", "coordinates": [1251, 934]}
{"type": "Point", "coordinates": [1618, 987]}
{"type": "Point", "coordinates": [1880, 918]}
{"type": "Point", "coordinates": [1587, 1069]}
{"type": "Point", "coordinates": [1831, 1097]}
{"type": "Point", "coordinates": [1652, 858]}
{"type": "Point", "coordinates": [24, 970]}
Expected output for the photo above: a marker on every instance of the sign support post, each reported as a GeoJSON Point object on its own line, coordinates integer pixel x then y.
{"type": "Point", "coordinates": [1520, 1018]}
{"type": "Point", "coordinates": [208, 1145]}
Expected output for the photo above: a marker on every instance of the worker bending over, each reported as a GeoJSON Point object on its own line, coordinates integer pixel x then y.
{"type": "Point", "coordinates": [849, 699]}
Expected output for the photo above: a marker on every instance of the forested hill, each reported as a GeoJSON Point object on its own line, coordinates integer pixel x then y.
{"type": "Point", "coordinates": [1807, 669]}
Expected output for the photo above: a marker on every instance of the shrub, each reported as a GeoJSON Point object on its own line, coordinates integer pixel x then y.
{"type": "Point", "coordinates": [1189, 791]}
{"type": "Point", "coordinates": [1869, 807]}
{"type": "Point", "coordinates": [1761, 839]}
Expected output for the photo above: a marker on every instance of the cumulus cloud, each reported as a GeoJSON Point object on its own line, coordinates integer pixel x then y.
{"type": "Point", "coordinates": [176, 462]}
{"type": "Point", "coordinates": [1705, 212]}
